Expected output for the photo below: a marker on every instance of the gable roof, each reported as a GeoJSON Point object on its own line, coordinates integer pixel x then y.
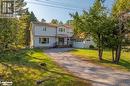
{"type": "Point", "coordinates": [46, 24]}
{"type": "Point", "coordinates": [51, 25]}
{"type": "Point", "coordinates": [68, 26]}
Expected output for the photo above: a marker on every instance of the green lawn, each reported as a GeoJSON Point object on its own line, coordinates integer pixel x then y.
{"type": "Point", "coordinates": [23, 69]}
{"type": "Point", "coordinates": [92, 56]}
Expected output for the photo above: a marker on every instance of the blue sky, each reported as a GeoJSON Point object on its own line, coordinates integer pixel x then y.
{"type": "Point", "coordinates": [49, 13]}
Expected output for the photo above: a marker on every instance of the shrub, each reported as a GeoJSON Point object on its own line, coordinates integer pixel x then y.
{"type": "Point", "coordinates": [91, 47]}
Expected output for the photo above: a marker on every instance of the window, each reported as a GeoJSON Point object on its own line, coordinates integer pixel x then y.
{"type": "Point", "coordinates": [64, 30]}
{"type": "Point", "coordinates": [88, 40]}
{"type": "Point", "coordinates": [61, 30]}
{"type": "Point", "coordinates": [44, 28]}
{"type": "Point", "coordinates": [43, 40]}
{"type": "Point", "coordinates": [71, 32]}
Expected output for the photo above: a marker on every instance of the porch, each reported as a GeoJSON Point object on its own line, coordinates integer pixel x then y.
{"type": "Point", "coordinates": [63, 42]}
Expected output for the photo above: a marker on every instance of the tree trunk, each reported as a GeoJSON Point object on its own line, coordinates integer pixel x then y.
{"type": "Point", "coordinates": [100, 53]}
{"type": "Point", "coordinates": [113, 55]}
{"type": "Point", "coordinates": [100, 50]}
{"type": "Point", "coordinates": [118, 54]}
{"type": "Point", "coordinates": [27, 38]}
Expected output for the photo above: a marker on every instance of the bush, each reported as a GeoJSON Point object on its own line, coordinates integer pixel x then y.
{"type": "Point", "coordinates": [91, 47]}
{"type": "Point", "coordinates": [127, 50]}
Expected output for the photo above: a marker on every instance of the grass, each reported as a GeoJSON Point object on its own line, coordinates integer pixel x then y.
{"type": "Point", "coordinates": [92, 56]}
{"type": "Point", "coordinates": [23, 69]}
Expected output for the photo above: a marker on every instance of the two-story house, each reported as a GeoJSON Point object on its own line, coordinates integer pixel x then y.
{"type": "Point", "coordinates": [50, 35]}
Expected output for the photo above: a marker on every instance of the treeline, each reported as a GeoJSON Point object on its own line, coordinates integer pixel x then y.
{"type": "Point", "coordinates": [56, 21]}
{"type": "Point", "coordinates": [108, 29]}
{"type": "Point", "coordinates": [14, 32]}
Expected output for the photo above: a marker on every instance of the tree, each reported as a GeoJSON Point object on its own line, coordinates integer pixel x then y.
{"type": "Point", "coordinates": [24, 26]}
{"type": "Point", "coordinates": [11, 34]}
{"type": "Point", "coordinates": [98, 17]}
{"type": "Point", "coordinates": [33, 17]}
{"type": "Point", "coordinates": [109, 39]}
{"type": "Point", "coordinates": [25, 20]}
{"type": "Point", "coordinates": [8, 34]}
{"type": "Point", "coordinates": [120, 10]}
{"type": "Point", "coordinates": [61, 23]}
{"type": "Point", "coordinates": [95, 24]}
{"type": "Point", "coordinates": [77, 24]}
{"type": "Point", "coordinates": [120, 6]}
{"type": "Point", "coordinates": [69, 22]}
{"type": "Point", "coordinates": [108, 31]}
{"type": "Point", "coordinates": [54, 21]}
{"type": "Point", "coordinates": [19, 7]}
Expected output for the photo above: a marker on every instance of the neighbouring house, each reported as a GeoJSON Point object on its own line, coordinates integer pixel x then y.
{"type": "Point", "coordinates": [51, 35]}
{"type": "Point", "coordinates": [84, 43]}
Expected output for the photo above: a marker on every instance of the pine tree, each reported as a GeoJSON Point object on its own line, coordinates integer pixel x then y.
{"type": "Point", "coordinates": [60, 23]}
{"type": "Point", "coordinates": [54, 21]}
{"type": "Point", "coordinates": [19, 7]}
{"type": "Point", "coordinates": [12, 30]}
{"type": "Point", "coordinates": [33, 17]}
{"type": "Point", "coordinates": [120, 11]}
{"type": "Point", "coordinates": [25, 20]}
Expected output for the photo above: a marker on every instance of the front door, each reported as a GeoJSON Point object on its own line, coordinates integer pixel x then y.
{"type": "Point", "coordinates": [61, 41]}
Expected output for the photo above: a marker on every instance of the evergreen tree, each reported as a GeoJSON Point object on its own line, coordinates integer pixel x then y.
{"type": "Point", "coordinates": [33, 17]}
{"type": "Point", "coordinates": [19, 7]}
{"type": "Point", "coordinates": [11, 30]}
{"type": "Point", "coordinates": [120, 11]}
{"type": "Point", "coordinates": [92, 23]}
{"type": "Point", "coordinates": [69, 22]}
{"type": "Point", "coordinates": [61, 23]}
{"type": "Point", "coordinates": [26, 19]}
{"type": "Point", "coordinates": [108, 31]}
{"type": "Point", "coordinates": [54, 21]}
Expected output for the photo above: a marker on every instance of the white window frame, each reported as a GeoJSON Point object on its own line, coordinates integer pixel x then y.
{"type": "Point", "coordinates": [61, 29]}
{"type": "Point", "coordinates": [43, 40]}
{"type": "Point", "coordinates": [44, 29]}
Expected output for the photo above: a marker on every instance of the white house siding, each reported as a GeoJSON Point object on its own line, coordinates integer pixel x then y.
{"type": "Point", "coordinates": [78, 44]}
{"type": "Point", "coordinates": [68, 31]}
{"type": "Point", "coordinates": [88, 43]}
{"type": "Point", "coordinates": [58, 32]}
{"type": "Point", "coordinates": [50, 31]}
{"type": "Point", "coordinates": [84, 44]}
{"type": "Point", "coordinates": [51, 43]}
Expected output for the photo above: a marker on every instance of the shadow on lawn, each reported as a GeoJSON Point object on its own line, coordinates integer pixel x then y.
{"type": "Point", "coordinates": [16, 66]}
{"type": "Point", "coordinates": [14, 75]}
{"type": "Point", "coordinates": [125, 64]}
{"type": "Point", "coordinates": [19, 58]}
{"type": "Point", "coordinates": [25, 59]}
{"type": "Point", "coordinates": [122, 63]}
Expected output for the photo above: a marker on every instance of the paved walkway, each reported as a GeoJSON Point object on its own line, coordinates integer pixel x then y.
{"type": "Point", "coordinates": [100, 76]}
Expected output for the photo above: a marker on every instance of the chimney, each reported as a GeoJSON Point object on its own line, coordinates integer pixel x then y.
{"type": "Point", "coordinates": [43, 21]}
